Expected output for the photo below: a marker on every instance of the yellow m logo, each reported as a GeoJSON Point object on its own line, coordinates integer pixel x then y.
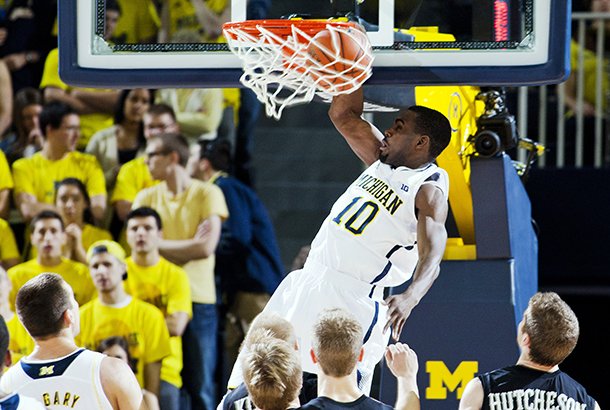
{"type": "Point", "coordinates": [46, 370]}
{"type": "Point", "coordinates": [442, 379]}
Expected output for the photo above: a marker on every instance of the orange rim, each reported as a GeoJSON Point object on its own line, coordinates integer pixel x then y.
{"type": "Point", "coordinates": [283, 28]}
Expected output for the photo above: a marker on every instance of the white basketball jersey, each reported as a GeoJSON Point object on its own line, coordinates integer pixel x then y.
{"type": "Point", "coordinates": [70, 382]}
{"type": "Point", "coordinates": [371, 232]}
{"type": "Point", "coordinates": [18, 402]}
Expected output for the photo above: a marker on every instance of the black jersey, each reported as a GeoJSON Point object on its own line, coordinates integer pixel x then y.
{"type": "Point", "coordinates": [362, 403]}
{"type": "Point", "coordinates": [519, 387]}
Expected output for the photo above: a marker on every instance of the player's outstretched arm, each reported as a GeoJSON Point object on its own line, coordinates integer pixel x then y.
{"type": "Point", "coordinates": [120, 385]}
{"type": "Point", "coordinates": [431, 240]}
{"type": "Point", "coordinates": [402, 362]}
{"type": "Point", "coordinates": [346, 114]}
{"type": "Point", "coordinates": [472, 398]}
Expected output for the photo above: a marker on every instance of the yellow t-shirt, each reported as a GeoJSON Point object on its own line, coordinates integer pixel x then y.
{"type": "Point", "coordinates": [90, 235]}
{"type": "Point", "coordinates": [6, 179]}
{"type": "Point", "coordinates": [166, 286]}
{"type": "Point", "coordinates": [180, 220]}
{"type": "Point", "coordinates": [75, 273]}
{"type": "Point", "coordinates": [38, 176]}
{"type": "Point", "coordinates": [89, 123]}
{"type": "Point", "coordinates": [8, 245]}
{"type": "Point", "coordinates": [139, 22]}
{"type": "Point", "coordinates": [20, 342]}
{"type": "Point", "coordinates": [140, 323]}
{"type": "Point", "coordinates": [133, 177]}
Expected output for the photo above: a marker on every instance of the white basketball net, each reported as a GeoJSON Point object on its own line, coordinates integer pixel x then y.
{"type": "Point", "coordinates": [282, 73]}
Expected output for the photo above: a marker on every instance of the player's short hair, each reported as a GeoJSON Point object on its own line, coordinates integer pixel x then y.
{"type": "Point", "coordinates": [272, 373]}
{"type": "Point", "coordinates": [41, 303]}
{"type": "Point", "coordinates": [337, 340]}
{"type": "Point", "coordinates": [4, 338]}
{"type": "Point", "coordinates": [46, 214]}
{"type": "Point", "coordinates": [53, 113]}
{"type": "Point", "coordinates": [218, 152]}
{"type": "Point", "coordinates": [275, 325]}
{"type": "Point", "coordinates": [172, 142]}
{"type": "Point", "coordinates": [433, 124]}
{"type": "Point", "coordinates": [143, 212]}
{"type": "Point", "coordinates": [552, 328]}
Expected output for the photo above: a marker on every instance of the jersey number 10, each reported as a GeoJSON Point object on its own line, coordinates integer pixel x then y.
{"type": "Point", "coordinates": [357, 222]}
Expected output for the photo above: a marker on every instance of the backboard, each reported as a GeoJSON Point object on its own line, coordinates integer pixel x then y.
{"type": "Point", "coordinates": [481, 42]}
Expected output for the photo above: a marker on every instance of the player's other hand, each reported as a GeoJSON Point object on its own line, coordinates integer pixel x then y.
{"type": "Point", "coordinates": [402, 361]}
{"type": "Point", "coordinates": [399, 309]}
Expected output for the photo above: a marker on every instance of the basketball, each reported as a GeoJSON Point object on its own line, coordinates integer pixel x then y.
{"type": "Point", "coordinates": [334, 54]}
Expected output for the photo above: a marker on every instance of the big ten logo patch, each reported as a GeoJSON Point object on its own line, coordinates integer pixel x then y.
{"type": "Point", "coordinates": [443, 380]}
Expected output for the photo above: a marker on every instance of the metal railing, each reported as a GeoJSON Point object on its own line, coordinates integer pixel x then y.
{"type": "Point", "coordinates": [567, 144]}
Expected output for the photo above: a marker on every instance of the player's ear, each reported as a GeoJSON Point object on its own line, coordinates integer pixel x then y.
{"type": "Point", "coordinates": [361, 355]}
{"type": "Point", "coordinates": [423, 141]}
{"type": "Point", "coordinates": [313, 356]}
{"type": "Point", "coordinates": [68, 317]}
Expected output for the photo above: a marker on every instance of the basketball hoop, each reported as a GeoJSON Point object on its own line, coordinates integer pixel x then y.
{"type": "Point", "coordinates": [279, 68]}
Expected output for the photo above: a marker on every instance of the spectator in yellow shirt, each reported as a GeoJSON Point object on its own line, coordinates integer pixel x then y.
{"type": "Point", "coordinates": [116, 313]}
{"type": "Point", "coordinates": [48, 236]}
{"type": "Point", "coordinates": [155, 280]}
{"type": "Point", "coordinates": [134, 176]}
{"type": "Point", "coordinates": [35, 177]}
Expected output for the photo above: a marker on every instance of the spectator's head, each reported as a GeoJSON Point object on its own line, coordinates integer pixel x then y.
{"type": "Point", "coordinates": [48, 234]}
{"type": "Point", "coordinates": [46, 306]}
{"type": "Point", "coordinates": [117, 347]}
{"type": "Point", "coordinates": [337, 342]}
{"type": "Point", "coordinates": [5, 355]}
{"type": "Point", "coordinates": [60, 125]}
{"type": "Point", "coordinates": [143, 226]}
{"type": "Point", "coordinates": [131, 107]}
{"type": "Point", "coordinates": [160, 119]}
{"type": "Point", "coordinates": [272, 373]}
{"type": "Point", "coordinates": [113, 13]}
{"type": "Point", "coordinates": [549, 329]}
{"type": "Point", "coordinates": [275, 326]}
{"type": "Point", "coordinates": [107, 265]}
{"type": "Point", "coordinates": [164, 153]}
{"type": "Point", "coordinates": [27, 107]}
{"type": "Point", "coordinates": [73, 202]}
{"type": "Point", "coordinates": [209, 157]}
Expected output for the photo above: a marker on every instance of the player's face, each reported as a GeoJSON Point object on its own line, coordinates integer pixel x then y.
{"type": "Point", "coordinates": [106, 272]}
{"type": "Point", "coordinates": [157, 124]}
{"type": "Point", "coordinates": [68, 133]}
{"type": "Point", "coordinates": [136, 104]}
{"type": "Point", "coordinates": [157, 159]}
{"type": "Point", "coordinates": [48, 237]}
{"type": "Point", "coordinates": [71, 203]}
{"type": "Point", "coordinates": [143, 235]}
{"type": "Point", "coordinates": [116, 351]}
{"type": "Point", "coordinates": [397, 147]}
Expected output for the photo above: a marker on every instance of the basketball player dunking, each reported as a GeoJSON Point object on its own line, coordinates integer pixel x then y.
{"type": "Point", "coordinates": [58, 373]}
{"type": "Point", "coordinates": [387, 227]}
